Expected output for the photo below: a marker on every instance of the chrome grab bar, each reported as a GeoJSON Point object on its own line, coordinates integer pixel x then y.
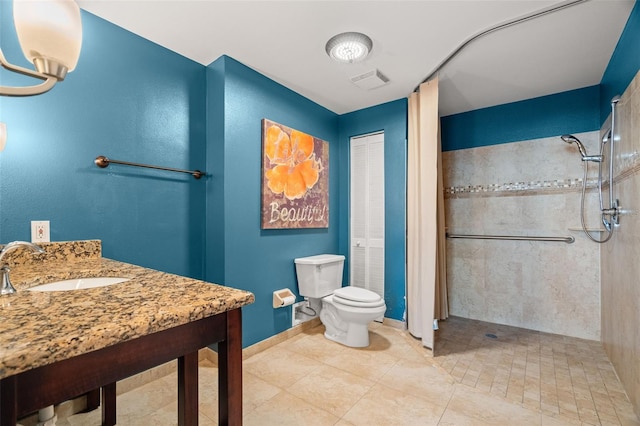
{"type": "Point", "coordinates": [567, 240]}
{"type": "Point", "coordinates": [102, 162]}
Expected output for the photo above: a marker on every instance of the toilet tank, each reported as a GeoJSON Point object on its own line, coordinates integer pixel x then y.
{"type": "Point", "coordinates": [319, 275]}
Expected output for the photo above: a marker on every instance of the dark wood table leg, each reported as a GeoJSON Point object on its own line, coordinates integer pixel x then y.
{"type": "Point", "coordinates": [109, 404]}
{"type": "Point", "coordinates": [8, 401]}
{"type": "Point", "coordinates": [93, 399]}
{"type": "Point", "coordinates": [188, 389]}
{"type": "Point", "coordinates": [230, 372]}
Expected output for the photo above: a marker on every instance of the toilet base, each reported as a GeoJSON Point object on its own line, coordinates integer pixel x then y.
{"type": "Point", "coordinates": [357, 336]}
{"type": "Point", "coordinates": [346, 325]}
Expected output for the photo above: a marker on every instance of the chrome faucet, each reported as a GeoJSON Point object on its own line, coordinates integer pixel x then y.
{"type": "Point", "coordinates": [7, 287]}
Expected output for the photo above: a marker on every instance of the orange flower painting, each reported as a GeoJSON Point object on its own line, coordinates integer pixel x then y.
{"type": "Point", "coordinates": [295, 187]}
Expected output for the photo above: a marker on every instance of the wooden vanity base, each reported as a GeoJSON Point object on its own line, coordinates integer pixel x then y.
{"type": "Point", "coordinates": [52, 384]}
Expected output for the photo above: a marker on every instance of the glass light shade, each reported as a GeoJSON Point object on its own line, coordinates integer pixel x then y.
{"type": "Point", "coordinates": [3, 136]}
{"type": "Point", "coordinates": [349, 47]}
{"type": "Point", "coordinates": [49, 30]}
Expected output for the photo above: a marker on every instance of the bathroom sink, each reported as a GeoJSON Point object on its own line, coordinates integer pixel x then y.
{"type": "Point", "coordinates": [79, 284]}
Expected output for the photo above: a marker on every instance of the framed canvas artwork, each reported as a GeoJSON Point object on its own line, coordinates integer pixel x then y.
{"type": "Point", "coordinates": [295, 178]}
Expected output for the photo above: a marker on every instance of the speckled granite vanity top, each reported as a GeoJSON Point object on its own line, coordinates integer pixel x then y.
{"type": "Point", "coordinates": [40, 328]}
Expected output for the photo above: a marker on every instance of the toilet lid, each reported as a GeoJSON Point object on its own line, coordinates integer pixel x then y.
{"type": "Point", "coordinates": [357, 294]}
{"type": "Point", "coordinates": [346, 302]}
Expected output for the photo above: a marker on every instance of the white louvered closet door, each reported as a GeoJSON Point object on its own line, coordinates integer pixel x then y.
{"type": "Point", "coordinates": [366, 207]}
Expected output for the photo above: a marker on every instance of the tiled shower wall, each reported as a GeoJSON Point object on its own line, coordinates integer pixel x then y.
{"type": "Point", "coordinates": [620, 257]}
{"type": "Point", "coordinates": [523, 188]}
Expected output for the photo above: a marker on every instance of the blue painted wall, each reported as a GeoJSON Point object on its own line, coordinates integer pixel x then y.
{"type": "Point", "coordinates": [133, 100]}
{"type": "Point", "coordinates": [257, 260]}
{"type": "Point", "coordinates": [128, 99]}
{"type": "Point", "coordinates": [623, 65]}
{"type": "Point", "coordinates": [574, 111]}
{"type": "Point", "coordinates": [392, 119]}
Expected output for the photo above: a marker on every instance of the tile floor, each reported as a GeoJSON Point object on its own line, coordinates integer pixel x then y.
{"type": "Point", "coordinates": [519, 378]}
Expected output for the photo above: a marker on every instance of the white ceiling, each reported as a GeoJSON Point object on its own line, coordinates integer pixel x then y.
{"type": "Point", "coordinates": [285, 40]}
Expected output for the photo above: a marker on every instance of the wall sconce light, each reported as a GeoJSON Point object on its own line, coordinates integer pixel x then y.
{"type": "Point", "coordinates": [50, 35]}
{"type": "Point", "coordinates": [3, 136]}
{"type": "Point", "coordinates": [349, 47]}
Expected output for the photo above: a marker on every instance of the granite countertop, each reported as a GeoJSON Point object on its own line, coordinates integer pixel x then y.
{"type": "Point", "coordinates": [40, 328]}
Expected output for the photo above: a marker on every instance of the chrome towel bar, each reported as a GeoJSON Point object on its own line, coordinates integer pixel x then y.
{"type": "Point", "coordinates": [102, 162]}
{"type": "Point", "coordinates": [567, 240]}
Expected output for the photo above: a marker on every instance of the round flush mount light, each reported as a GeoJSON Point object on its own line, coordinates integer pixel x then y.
{"type": "Point", "coordinates": [349, 47]}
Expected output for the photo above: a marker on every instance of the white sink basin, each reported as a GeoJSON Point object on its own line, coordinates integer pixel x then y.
{"type": "Point", "coordinates": [79, 284]}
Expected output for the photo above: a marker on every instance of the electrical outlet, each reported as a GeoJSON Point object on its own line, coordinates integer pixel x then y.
{"type": "Point", "coordinates": [40, 231]}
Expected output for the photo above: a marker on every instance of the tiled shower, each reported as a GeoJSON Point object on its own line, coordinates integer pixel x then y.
{"type": "Point", "coordinates": [532, 188]}
{"type": "Point", "coordinates": [527, 188]}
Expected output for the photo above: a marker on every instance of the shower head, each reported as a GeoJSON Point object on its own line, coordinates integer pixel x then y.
{"type": "Point", "coordinates": [583, 152]}
{"type": "Point", "coordinates": [572, 139]}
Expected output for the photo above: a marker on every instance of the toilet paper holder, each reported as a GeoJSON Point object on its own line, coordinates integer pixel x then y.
{"type": "Point", "coordinates": [283, 297]}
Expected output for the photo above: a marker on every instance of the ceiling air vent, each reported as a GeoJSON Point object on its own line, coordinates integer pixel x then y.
{"type": "Point", "coordinates": [370, 80]}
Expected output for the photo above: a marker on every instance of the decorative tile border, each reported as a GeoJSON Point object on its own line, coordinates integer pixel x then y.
{"type": "Point", "coordinates": [627, 165]}
{"type": "Point", "coordinates": [518, 188]}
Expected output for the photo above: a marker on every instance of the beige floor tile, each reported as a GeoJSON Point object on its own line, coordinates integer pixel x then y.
{"type": "Point", "coordinates": [208, 391]}
{"type": "Point", "coordinates": [366, 364]}
{"type": "Point", "coordinates": [145, 400]}
{"type": "Point", "coordinates": [424, 381]}
{"type": "Point", "coordinates": [85, 419]}
{"type": "Point", "coordinates": [565, 374]}
{"type": "Point", "coordinates": [314, 345]}
{"type": "Point", "coordinates": [135, 407]}
{"type": "Point", "coordinates": [522, 377]}
{"type": "Point", "coordinates": [331, 389]}
{"type": "Point", "coordinates": [280, 366]}
{"type": "Point", "coordinates": [558, 421]}
{"type": "Point", "coordinates": [470, 406]}
{"type": "Point", "coordinates": [568, 413]}
{"type": "Point", "coordinates": [343, 422]}
{"type": "Point", "coordinates": [394, 342]}
{"type": "Point", "coordinates": [609, 421]}
{"type": "Point", "coordinates": [205, 421]}
{"type": "Point", "coordinates": [256, 391]}
{"type": "Point", "coordinates": [285, 409]}
{"type": "Point", "coordinates": [156, 403]}
{"type": "Point", "coordinates": [165, 416]}
{"type": "Point", "coordinates": [171, 380]}
{"type": "Point", "coordinates": [532, 404]}
{"type": "Point", "coordinates": [385, 406]}
{"type": "Point", "coordinates": [627, 417]}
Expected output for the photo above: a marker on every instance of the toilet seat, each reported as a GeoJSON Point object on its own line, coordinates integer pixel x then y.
{"type": "Point", "coordinates": [357, 297]}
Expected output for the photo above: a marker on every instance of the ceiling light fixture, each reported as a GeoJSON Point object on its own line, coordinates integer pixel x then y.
{"type": "Point", "coordinates": [349, 47]}
{"type": "Point", "coordinates": [50, 35]}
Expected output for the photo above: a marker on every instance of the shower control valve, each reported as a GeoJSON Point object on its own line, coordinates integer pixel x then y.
{"type": "Point", "coordinates": [614, 212]}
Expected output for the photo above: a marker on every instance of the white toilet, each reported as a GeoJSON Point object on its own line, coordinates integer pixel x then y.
{"type": "Point", "coordinates": [346, 311]}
